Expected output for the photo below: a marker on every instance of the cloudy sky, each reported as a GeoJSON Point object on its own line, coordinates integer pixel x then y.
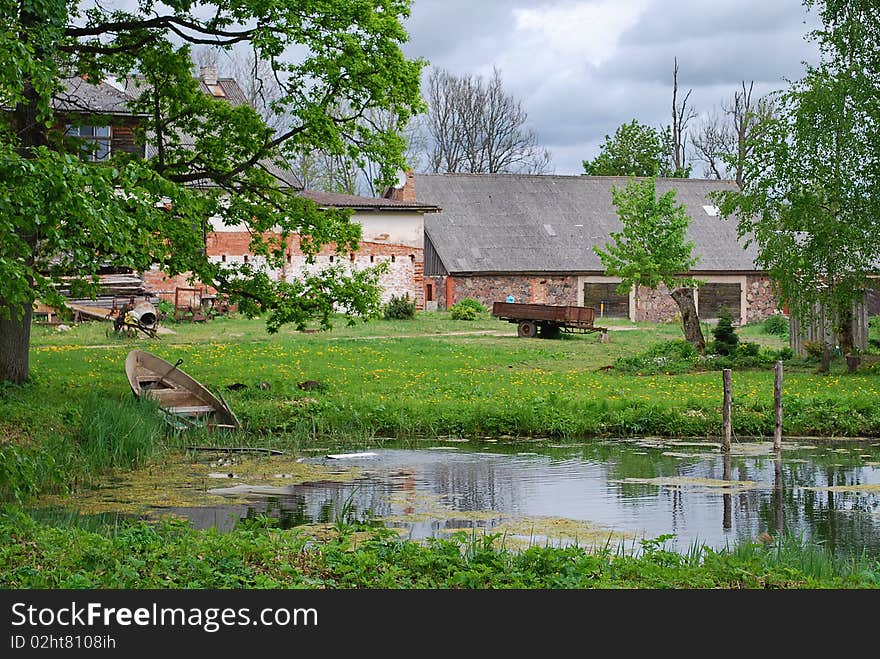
{"type": "Point", "coordinates": [583, 67]}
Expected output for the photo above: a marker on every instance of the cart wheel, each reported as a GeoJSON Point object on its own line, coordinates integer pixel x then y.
{"type": "Point", "coordinates": [527, 328]}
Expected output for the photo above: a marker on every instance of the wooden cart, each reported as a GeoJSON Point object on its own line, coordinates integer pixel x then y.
{"type": "Point", "coordinates": [547, 320]}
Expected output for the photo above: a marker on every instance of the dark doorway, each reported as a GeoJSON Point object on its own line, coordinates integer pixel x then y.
{"type": "Point", "coordinates": [605, 299]}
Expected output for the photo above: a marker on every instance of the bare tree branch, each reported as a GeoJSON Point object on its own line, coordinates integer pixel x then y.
{"type": "Point", "coordinates": [474, 126]}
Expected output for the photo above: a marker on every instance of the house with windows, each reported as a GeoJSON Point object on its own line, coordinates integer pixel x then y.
{"type": "Point", "coordinates": [98, 119]}
{"type": "Point", "coordinates": [532, 237]}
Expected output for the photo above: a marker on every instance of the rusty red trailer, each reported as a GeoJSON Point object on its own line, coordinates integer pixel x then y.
{"type": "Point", "coordinates": [547, 320]}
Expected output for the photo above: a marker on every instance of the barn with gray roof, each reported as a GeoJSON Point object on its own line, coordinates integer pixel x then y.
{"type": "Point", "coordinates": [532, 237]}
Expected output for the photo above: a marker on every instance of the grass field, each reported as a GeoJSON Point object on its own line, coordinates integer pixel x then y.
{"type": "Point", "coordinates": [429, 376]}
{"type": "Point", "coordinates": [434, 375]}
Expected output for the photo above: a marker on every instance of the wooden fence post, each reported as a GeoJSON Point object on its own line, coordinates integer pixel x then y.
{"type": "Point", "coordinates": [777, 399]}
{"type": "Point", "coordinates": [725, 441]}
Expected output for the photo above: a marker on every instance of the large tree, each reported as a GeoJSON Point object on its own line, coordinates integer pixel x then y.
{"type": "Point", "coordinates": [61, 215]}
{"type": "Point", "coordinates": [475, 126]}
{"type": "Point", "coordinates": [811, 194]}
{"type": "Point", "coordinates": [634, 150]}
{"type": "Point", "coordinates": [653, 249]}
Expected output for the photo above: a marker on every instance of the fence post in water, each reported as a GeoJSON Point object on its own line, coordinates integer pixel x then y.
{"type": "Point", "coordinates": [725, 441]}
{"type": "Point", "coordinates": [777, 399]}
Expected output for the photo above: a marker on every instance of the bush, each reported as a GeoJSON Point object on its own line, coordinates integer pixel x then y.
{"type": "Point", "coordinates": [666, 357]}
{"type": "Point", "coordinates": [400, 308]}
{"type": "Point", "coordinates": [726, 339]}
{"type": "Point", "coordinates": [776, 324]}
{"type": "Point", "coordinates": [814, 348]}
{"type": "Point", "coordinates": [785, 353]}
{"type": "Point", "coordinates": [748, 349]}
{"type": "Point", "coordinates": [467, 309]}
{"type": "Point", "coordinates": [165, 309]}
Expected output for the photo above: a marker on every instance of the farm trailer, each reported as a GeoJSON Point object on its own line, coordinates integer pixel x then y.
{"type": "Point", "coordinates": [547, 320]}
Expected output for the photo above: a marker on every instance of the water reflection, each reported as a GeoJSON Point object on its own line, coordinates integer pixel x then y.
{"type": "Point", "coordinates": [641, 488]}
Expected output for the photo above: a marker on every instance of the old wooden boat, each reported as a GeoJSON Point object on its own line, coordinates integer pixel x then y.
{"type": "Point", "coordinates": [177, 393]}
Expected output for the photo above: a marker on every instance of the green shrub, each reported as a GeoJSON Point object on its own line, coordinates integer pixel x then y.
{"type": "Point", "coordinates": [467, 309]}
{"type": "Point", "coordinates": [814, 348]}
{"type": "Point", "coordinates": [726, 339]}
{"type": "Point", "coordinates": [165, 309]}
{"type": "Point", "coordinates": [666, 357]}
{"type": "Point", "coordinates": [785, 353]}
{"type": "Point", "coordinates": [776, 324]}
{"type": "Point", "coordinates": [747, 349]}
{"type": "Point", "coordinates": [400, 308]}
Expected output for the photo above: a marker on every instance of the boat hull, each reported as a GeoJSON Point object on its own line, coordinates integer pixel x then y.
{"type": "Point", "coordinates": [175, 391]}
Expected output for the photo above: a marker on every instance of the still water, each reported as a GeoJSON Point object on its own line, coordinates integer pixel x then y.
{"type": "Point", "coordinates": [613, 492]}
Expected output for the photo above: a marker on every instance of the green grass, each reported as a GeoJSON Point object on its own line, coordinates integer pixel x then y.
{"type": "Point", "coordinates": [423, 377]}
{"type": "Point", "coordinates": [172, 555]}
{"type": "Point", "coordinates": [121, 434]}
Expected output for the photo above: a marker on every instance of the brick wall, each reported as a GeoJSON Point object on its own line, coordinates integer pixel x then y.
{"type": "Point", "coordinates": [404, 275]}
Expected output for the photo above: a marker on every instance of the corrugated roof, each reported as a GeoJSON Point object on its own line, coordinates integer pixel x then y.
{"type": "Point", "coordinates": [79, 95]}
{"type": "Point", "coordinates": [229, 90]}
{"type": "Point", "coordinates": [547, 223]}
{"type": "Point", "coordinates": [363, 203]}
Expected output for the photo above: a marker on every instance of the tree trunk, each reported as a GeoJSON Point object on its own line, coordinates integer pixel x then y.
{"type": "Point", "coordinates": [845, 329]}
{"type": "Point", "coordinates": [15, 337]}
{"type": "Point", "coordinates": [690, 321]}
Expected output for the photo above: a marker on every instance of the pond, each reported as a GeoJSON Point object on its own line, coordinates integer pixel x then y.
{"type": "Point", "coordinates": [609, 492]}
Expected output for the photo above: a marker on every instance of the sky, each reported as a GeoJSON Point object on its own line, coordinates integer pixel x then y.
{"type": "Point", "coordinates": [581, 68]}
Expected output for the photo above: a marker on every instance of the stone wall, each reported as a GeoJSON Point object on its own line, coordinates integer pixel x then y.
{"type": "Point", "coordinates": [761, 299]}
{"type": "Point", "coordinates": [655, 305]}
{"type": "Point", "coordinates": [489, 288]}
{"type": "Point", "coordinates": [651, 305]}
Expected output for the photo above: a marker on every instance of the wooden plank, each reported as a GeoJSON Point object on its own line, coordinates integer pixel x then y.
{"type": "Point", "coordinates": [777, 398]}
{"type": "Point", "coordinates": [725, 415]}
{"type": "Point", "coordinates": [191, 409]}
{"type": "Point", "coordinates": [91, 312]}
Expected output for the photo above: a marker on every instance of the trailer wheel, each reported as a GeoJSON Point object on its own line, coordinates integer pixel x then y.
{"type": "Point", "coordinates": [527, 328]}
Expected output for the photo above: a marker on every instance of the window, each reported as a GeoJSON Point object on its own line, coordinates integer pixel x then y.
{"type": "Point", "coordinates": [95, 140]}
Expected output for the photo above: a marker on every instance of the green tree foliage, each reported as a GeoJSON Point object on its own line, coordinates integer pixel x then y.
{"type": "Point", "coordinates": [467, 309]}
{"type": "Point", "coordinates": [635, 150]}
{"type": "Point", "coordinates": [61, 216]}
{"type": "Point", "coordinates": [652, 248]}
{"type": "Point", "coordinates": [726, 339]}
{"type": "Point", "coordinates": [812, 193]}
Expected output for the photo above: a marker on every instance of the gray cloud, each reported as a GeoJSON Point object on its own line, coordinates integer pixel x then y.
{"type": "Point", "coordinates": [573, 103]}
